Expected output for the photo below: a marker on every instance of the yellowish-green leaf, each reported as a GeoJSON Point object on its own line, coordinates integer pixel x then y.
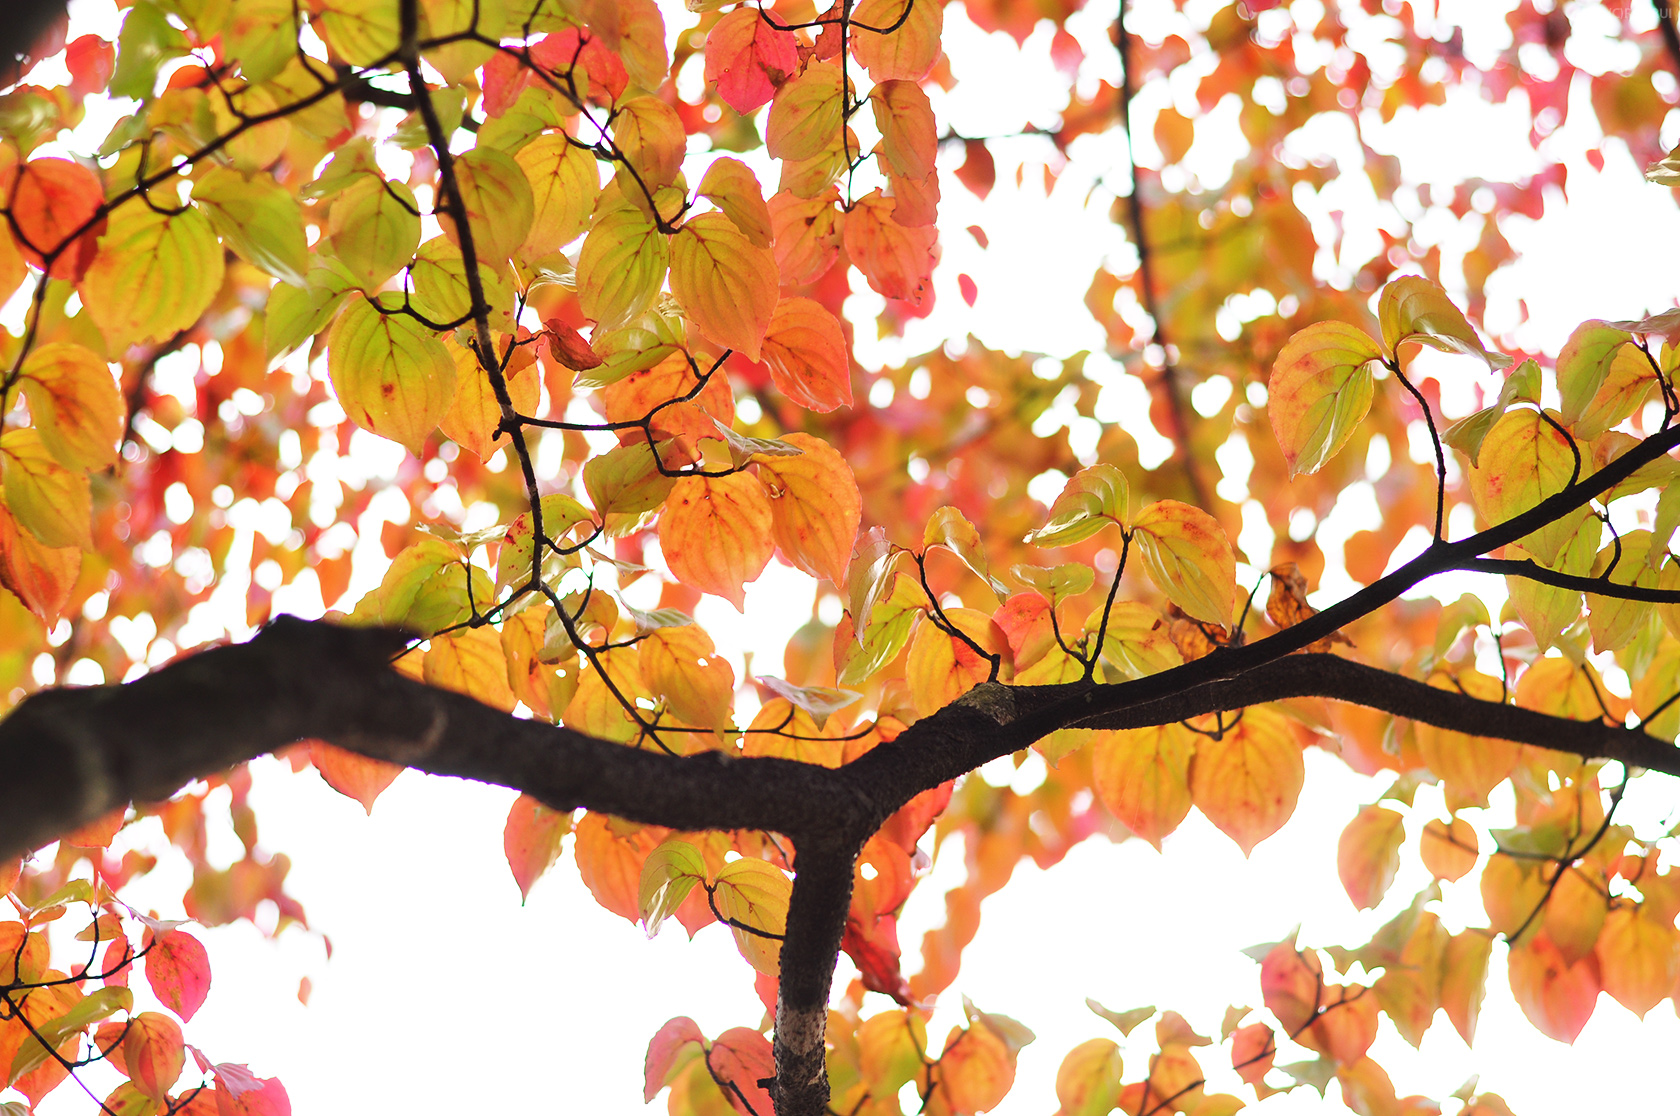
{"type": "Point", "coordinates": [259, 219]}
{"type": "Point", "coordinates": [456, 61]}
{"type": "Point", "coordinates": [621, 267]}
{"type": "Point", "coordinates": [1628, 383]}
{"type": "Point", "coordinates": [626, 487]}
{"type": "Point", "coordinates": [375, 227]}
{"type": "Point", "coordinates": [668, 875]}
{"type": "Point", "coordinates": [1412, 308]}
{"type": "Point", "coordinates": [1524, 459]}
{"type": "Point", "coordinates": [753, 893]}
{"type": "Point", "coordinates": [51, 502]}
{"type": "Point", "coordinates": [361, 32]}
{"type": "Point", "coordinates": [1091, 500]}
{"type": "Point", "coordinates": [441, 292]}
{"type": "Point", "coordinates": [950, 529]}
{"type": "Point", "coordinates": [425, 589]}
{"type": "Point", "coordinates": [1466, 435]}
{"type": "Point", "coordinates": [726, 284]}
{"type": "Point", "coordinates": [74, 404]}
{"type": "Point", "coordinates": [1189, 559]}
{"type": "Point", "coordinates": [392, 375]}
{"type": "Point", "coordinates": [649, 133]}
{"type": "Point", "coordinates": [155, 274]}
{"type": "Point", "coordinates": [806, 114]}
{"type": "Point", "coordinates": [295, 314]}
{"type": "Point", "coordinates": [1584, 363]}
{"type": "Point", "coordinates": [1320, 391]}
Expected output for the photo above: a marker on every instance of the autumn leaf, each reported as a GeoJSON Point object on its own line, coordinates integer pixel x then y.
{"type": "Point", "coordinates": [717, 533]}
{"type": "Point", "coordinates": [392, 376]}
{"type": "Point", "coordinates": [621, 266]}
{"type": "Point", "coordinates": [748, 58]}
{"type": "Point", "coordinates": [1247, 778]}
{"type": "Point", "coordinates": [155, 274]}
{"type": "Point", "coordinates": [74, 403]}
{"type": "Point", "coordinates": [1319, 392]}
{"type": "Point", "coordinates": [531, 840]}
{"type": "Point", "coordinates": [806, 113]}
{"type": "Point", "coordinates": [354, 776]}
{"type": "Point", "coordinates": [896, 39]}
{"type": "Point", "coordinates": [259, 219]}
{"type": "Point", "coordinates": [753, 897]}
{"type": "Point", "coordinates": [375, 228]}
{"type": "Point", "coordinates": [53, 503]}
{"type": "Point", "coordinates": [53, 200]}
{"type": "Point", "coordinates": [806, 353]}
{"type": "Point", "coordinates": [1188, 558]}
{"type": "Point", "coordinates": [1368, 855]}
{"type": "Point", "coordinates": [725, 283]}
{"type": "Point", "coordinates": [1142, 776]}
{"type": "Point", "coordinates": [178, 970]}
{"type": "Point", "coordinates": [895, 259]}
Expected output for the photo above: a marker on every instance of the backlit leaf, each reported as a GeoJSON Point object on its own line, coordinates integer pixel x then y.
{"type": "Point", "coordinates": [668, 875]}
{"type": "Point", "coordinates": [1143, 777]}
{"type": "Point", "coordinates": [564, 184]}
{"type": "Point", "coordinates": [53, 200]}
{"type": "Point", "coordinates": [1320, 391]}
{"type": "Point", "coordinates": [807, 355]}
{"type": "Point", "coordinates": [375, 228]}
{"type": "Point", "coordinates": [1188, 558]}
{"type": "Point", "coordinates": [52, 503]}
{"type": "Point", "coordinates": [755, 894]}
{"type": "Point", "coordinates": [1583, 364]}
{"type": "Point", "coordinates": [1092, 499]}
{"type": "Point", "coordinates": [392, 376]}
{"type": "Point", "coordinates": [354, 776]}
{"type": "Point", "coordinates": [1524, 460]}
{"type": "Point", "coordinates": [153, 1054]}
{"type": "Point", "coordinates": [896, 260]}
{"type": "Point", "coordinates": [733, 188]}
{"type": "Point", "coordinates": [893, 43]}
{"type": "Point", "coordinates": [621, 267]}
{"type": "Point", "coordinates": [1412, 308]}
{"type": "Point", "coordinates": [178, 970]}
{"type": "Point", "coordinates": [748, 58]}
{"type": "Point", "coordinates": [725, 283]}
{"type": "Point", "coordinates": [1247, 781]}
{"type": "Point", "coordinates": [155, 274]}
{"type": "Point", "coordinates": [74, 404]}
{"type": "Point", "coordinates": [717, 533]}
{"type": "Point", "coordinates": [815, 507]}
{"type": "Point", "coordinates": [1368, 854]}
{"type": "Point", "coordinates": [259, 219]}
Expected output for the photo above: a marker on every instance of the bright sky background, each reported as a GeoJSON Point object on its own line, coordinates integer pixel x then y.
{"type": "Point", "coordinates": [443, 993]}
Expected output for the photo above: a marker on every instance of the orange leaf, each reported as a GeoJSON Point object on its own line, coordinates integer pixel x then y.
{"type": "Point", "coordinates": [1576, 911]}
{"type": "Point", "coordinates": [895, 259]}
{"type": "Point", "coordinates": [531, 840]}
{"type": "Point", "coordinates": [806, 352]}
{"type": "Point", "coordinates": [893, 43]}
{"type": "Point", "coordinates": [611, 864]}
{"type": "Point", "coordinates": [806, 235]}
{"type": "Point", "coordinates": [43, 577]}
{"type": "Point", "coordinates": [154, 1054]}
{"type": "Point", "coordinates": [716, 533]}
{"type": "Point", "coordinates": [1637, 958]}
{"type": "Point", "coordinates": [99, 833]}
{"type": "Point", "coordinates": [738, 1061]}
{"type": "Point", "coordinates": [1368, 855]}
{"type": "Point", "coordinates": [1247, 782]}
{"type": "Point", "coordinates": [726, 284]}
{"type": "Point", "coordinates": [1448, 849]}
{"type": "Point", "coordinates": [941, 667]}
{"type": "Point", "coordinates": [350, 774]}
{"type": "Point", "coordinates": [681, 664]}
{"type": "Point", "coordinates": [1142, 776]}
{"type": "Point", "coordinates": [50, 199]}
{"type": "Point", "coordinates": [470, 662]}
{"type": "Point", "coordinates": [1556, 996]}
{"type": "Point", "coordinates": [815, 507]}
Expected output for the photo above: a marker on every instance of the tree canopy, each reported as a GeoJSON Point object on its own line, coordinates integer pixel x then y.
{"type": "Point", "coordinates": [578, 312]}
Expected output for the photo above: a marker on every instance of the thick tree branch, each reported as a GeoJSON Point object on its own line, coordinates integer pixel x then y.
{"type": "Point", "coordinates": [822, 893]}
{"type": "Point", "coordinates": [1600, 586]}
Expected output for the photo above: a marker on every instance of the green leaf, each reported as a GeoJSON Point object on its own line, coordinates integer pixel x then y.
{"type": "Point", "coordinates": [295, 314]}
{"type": "Point", "coordinates": [1127, 1021]}
{"type": "Point", "coordinates": [146, 42]}
{"type": "Point", "coordinates": [375, 227]}
{"type": "Point", "coordinates": [425, 589]}
{"type": "Point", "coordinates": [259, 219]}
{"type": "Point", "coordinates": [392, 375]}
{"type": "Point", "coordinates": [626, 487]}
{"type": "Point", "coordinates": [441, 292]}
{"type": "Point", "coordinates": [1055, 583]}
{"type": "Point", "coordinates": [498, 200]}
{"type": "Point", "coordinates": [1467, 434]}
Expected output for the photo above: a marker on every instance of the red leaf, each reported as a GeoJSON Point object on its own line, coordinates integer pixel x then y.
{"type": "Point", "coordinates": [749, 59]}
{"type": "Point", "coordinates": [90, 60]}
{"type": "Point", "coordinates": [531, 840]}
{"type": "Point", "coordinates": [876, 953]}
{"type": "Point", "coordinates": [966, 287]}
{"type": "Point", "coordinates": [739, 1060]}
{"type": "Point", "coordinates": [662, 1051]}
{"type": "Point", "coordinates": [178, 969]}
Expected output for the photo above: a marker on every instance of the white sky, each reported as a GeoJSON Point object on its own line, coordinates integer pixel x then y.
{"type": "Point", "coordinates": [444, 993]}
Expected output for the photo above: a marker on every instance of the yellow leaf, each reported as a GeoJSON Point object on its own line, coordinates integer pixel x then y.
{"type": "Point", "coordinates": [781, 729]}
{"type": "Point", "coordinates": [1613, 621]}
{"type": "Point", "coordinates": [716, 533]}
{"type": "Point", "coordinates": [74, 404]}
{"type": "Point", "coordinates": [1464, 965]}
{"type": "Point", "coordinates": [942, 667]}
{"type": "Point", "coordinates": [470, 662]}
{"type": "Point", "coordinates": [907, 51]}
{"type": "Point", "coordinates": [52, 503]}
{"type": "Point", "coordinates": [1319, 392]}
{"type": "Point", "coordinates": [649, 134]}
{"type": "Point", "coordinates": [1247, 781]}
{"type": "Point", "coordinates": [733, 188]}
{"type": "Point", "coordinates": [1637, 958]}
{"type": "Point", "coordinates": [815, 507]}
{"type": "Point", "coordinates": [1469, 767]}
{"type": "Point", "coordinates": [474, 413]}
{"type": "Point", "coordinates": [442, 18]}
{"type": "Point", "coordinates": [1189, 559]}
{"type": "Point", "coordinates": [621, 267]}
{"type": "Point", "coordinates": [155, 274]}
{"type": "Point", "coordinates": [755, 893]}
{"type": "Point", "coordinates": [375, 227]}
{"type": "Point", "coordinates": [498, 200]}
{"type": "Point", "coordinates": [41, 576]}
{"type": "Point", "coordinates": [727, 285]}
{"type": "Point", "coordinates": [806, 113]}
{"type": "Point", "coordinates": [564, 185]}
{"type": "Point", "coordinates": [392, 375]}
{"type": "Point", "coordinates": [682, 665]}
{"type": "Point", "coordinates": [1088, 1080]}
{"type": "Point", "coordinates": [361, 32]}
{"type": "Point", "coordinates": [1143, 777]}
{"type": "Point", "coordinates": [909, 139]}
{"type": "Point", "coordinates": [442, 295]}
{"type": "Point", "coordinates": [1584, 362]}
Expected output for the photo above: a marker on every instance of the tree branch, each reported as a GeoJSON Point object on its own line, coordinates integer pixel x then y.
{"type": "Point", "coordinates": [1599, 586]}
